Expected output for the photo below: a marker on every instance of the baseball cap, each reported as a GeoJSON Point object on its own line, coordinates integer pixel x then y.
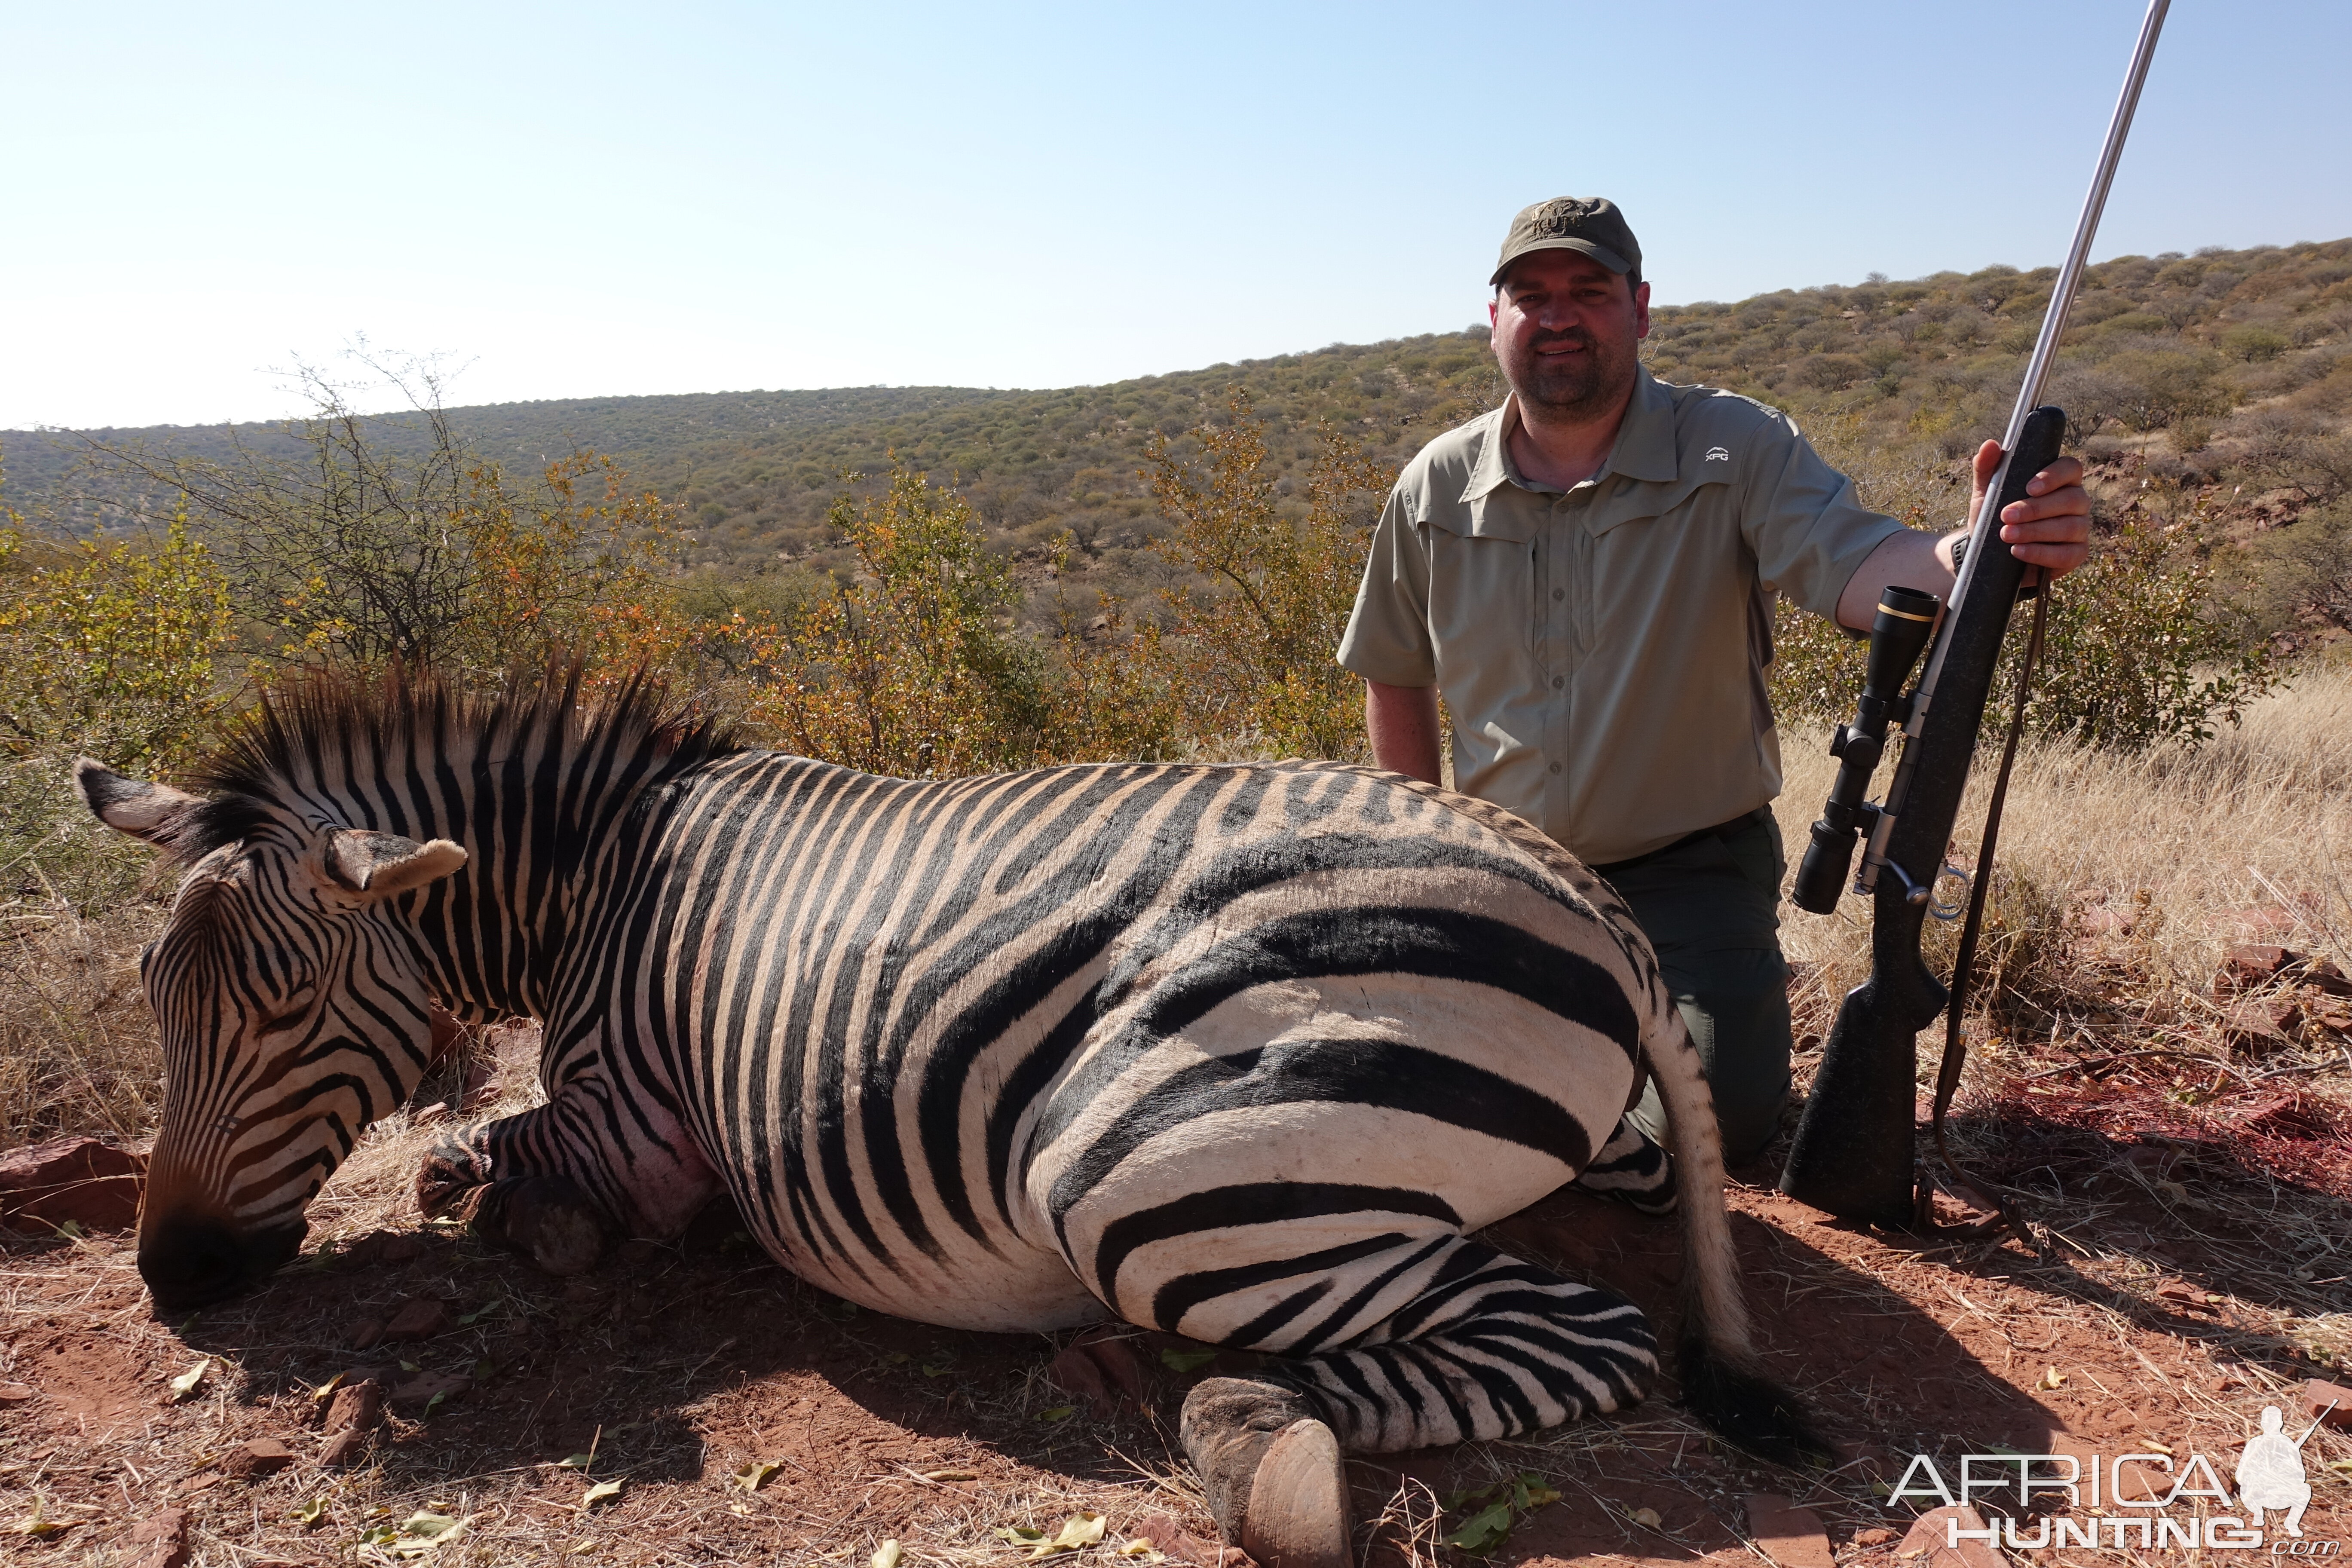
{"type": "Point", "coordinates": [1592, 224]}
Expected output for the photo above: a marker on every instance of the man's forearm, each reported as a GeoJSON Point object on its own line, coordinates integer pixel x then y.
{"type": "Point", "coordinates": [1905, 560]}
{"type": "Point", "coordinates": [1403, 723]}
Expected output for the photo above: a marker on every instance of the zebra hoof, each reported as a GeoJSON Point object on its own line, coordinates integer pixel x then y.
{"type": "Point", "coordinates": [1298, 1501]}
{"type": "Point", "coordinates": [1271, 1471]}
{"type": "Point", "coordinates": [547, 1220]}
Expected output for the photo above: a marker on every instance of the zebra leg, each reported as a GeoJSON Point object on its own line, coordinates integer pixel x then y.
{"type": "Point", "coordinates": [546, 1218]}
{"type": "Point", "coordinates": [1494, 1346]}
{"type": "Point", "coordinates": [560, 1183]}
{"type": "Point", "coordinates": [1464, 1341]}
{"type": "Point", "coordinates": [1632, 1169]}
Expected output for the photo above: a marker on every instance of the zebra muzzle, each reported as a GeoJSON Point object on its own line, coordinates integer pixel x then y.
{"type": "Point", "coordinates": [194, 1260]}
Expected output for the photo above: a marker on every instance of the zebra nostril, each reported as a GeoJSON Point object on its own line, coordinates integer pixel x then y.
{"type": "Point", "coordinates": [192, 1262]}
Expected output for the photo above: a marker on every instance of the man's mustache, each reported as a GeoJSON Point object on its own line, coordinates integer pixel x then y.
{"type": "Point", "coordinates": [1572, 339]}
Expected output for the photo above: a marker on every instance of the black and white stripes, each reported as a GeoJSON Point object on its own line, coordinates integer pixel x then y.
{"type": "Point", "coordinates": [1237, 1052]}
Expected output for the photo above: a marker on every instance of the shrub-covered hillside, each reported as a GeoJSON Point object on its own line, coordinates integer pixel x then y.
{"type": "Point", "coordinates": [2236, 356]}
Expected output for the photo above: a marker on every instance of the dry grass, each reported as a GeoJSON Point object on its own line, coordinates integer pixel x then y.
{"type": "Point", "coordinates": [78, 1052]}
{"type": "Point", "coordinates": [2124, 879]}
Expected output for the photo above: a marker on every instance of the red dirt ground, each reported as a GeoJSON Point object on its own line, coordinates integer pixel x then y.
{"type": "Point", "coordinates": [2161, 1322]}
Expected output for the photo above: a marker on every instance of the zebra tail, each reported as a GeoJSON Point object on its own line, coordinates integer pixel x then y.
{"type": "Point", "coordinates": [1723, 1379]}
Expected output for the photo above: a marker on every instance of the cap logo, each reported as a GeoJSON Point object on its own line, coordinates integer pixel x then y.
{"type": "Point", "coordinates": [1557, 219]}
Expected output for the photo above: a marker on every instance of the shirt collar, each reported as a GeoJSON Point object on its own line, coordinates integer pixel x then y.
{"type": "Point", "coordinates": [1645, 449]}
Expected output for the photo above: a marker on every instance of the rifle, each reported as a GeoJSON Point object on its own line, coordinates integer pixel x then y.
{"type": "Point", "coordinates": [1852, 1154]}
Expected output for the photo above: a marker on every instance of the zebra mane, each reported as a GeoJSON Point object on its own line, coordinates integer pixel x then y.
{"type": "Point", "coordinates": [290, 743]}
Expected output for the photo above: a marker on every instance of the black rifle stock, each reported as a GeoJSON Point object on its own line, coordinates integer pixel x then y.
{"type": "Point", "coordinates": [1852, 1154]}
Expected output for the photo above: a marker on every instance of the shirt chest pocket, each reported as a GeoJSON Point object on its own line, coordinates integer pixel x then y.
{"type": "Point", "coordinates": [1660, 549]}
{"type": "Point", "coordinates": [1487, 583]}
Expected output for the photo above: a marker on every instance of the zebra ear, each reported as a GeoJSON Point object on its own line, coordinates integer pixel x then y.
{"type": "Point", "coordinates": [139, 807]}
{"type": "Point", "coordinates": [376, 866]}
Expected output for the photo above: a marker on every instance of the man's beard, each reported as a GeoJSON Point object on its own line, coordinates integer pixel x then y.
{"type": "Point", "coordinates": [1581, 386]}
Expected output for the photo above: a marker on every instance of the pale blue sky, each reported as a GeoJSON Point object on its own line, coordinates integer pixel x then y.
{"type": "Point", "coordinates": [586, 199]}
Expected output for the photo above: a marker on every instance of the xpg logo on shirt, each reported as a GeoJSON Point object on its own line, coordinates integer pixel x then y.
{"type": "Point", "coordinates": [1719, 454]}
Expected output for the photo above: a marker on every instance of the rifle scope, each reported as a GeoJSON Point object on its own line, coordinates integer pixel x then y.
{"type": "Point", "coordinates": [1897, 633]}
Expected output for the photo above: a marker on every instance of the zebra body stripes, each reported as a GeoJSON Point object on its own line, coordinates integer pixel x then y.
{"type": "Point", "coordinates": [1239, 1052]}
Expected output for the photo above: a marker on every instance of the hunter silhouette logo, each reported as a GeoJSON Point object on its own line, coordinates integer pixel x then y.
{"type": "Point", "coordinates": [1719, 454]}
{"type": "Point", "coordinates": [2270, 1472]}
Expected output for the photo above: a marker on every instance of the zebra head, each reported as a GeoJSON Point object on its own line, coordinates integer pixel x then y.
{"type": "Point", "coordinates": [293, 1012]}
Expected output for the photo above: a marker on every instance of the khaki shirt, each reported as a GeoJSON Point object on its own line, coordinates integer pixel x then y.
{"type": "Point", "coordinates": [1603, 651]}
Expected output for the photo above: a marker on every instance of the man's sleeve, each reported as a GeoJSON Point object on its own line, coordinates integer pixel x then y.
{"type": "Point", "coordinates": [1804, 523]}
{"type": "Point", "coordinates": [1387, 638]}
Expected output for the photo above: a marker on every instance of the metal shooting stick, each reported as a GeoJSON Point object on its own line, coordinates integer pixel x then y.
{"type": "Point", "coordinates": [1854, 1149]}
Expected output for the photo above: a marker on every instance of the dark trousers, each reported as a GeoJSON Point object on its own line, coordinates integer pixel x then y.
{"type": "Point", "coordinates": [1710, 907]}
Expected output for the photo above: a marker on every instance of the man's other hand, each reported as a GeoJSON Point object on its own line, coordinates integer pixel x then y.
{"type": "Point", "coordinates": [2051, 528]}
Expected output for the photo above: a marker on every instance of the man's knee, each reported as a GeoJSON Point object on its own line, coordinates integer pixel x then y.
{"type": "Point", "coordinates": [1740, 1026]}
{"type": "Point", "coordinates": [1742, 1034]}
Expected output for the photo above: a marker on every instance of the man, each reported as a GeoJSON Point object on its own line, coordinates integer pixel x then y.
{"type": "Point", "coordinates": [1587, 575]}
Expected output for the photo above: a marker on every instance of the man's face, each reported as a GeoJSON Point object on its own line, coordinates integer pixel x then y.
{"type": "Point", "coordinates": [1567, 331]}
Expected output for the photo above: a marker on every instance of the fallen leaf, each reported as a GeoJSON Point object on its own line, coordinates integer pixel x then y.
{"type": "Point", "coordinates": [1080, 1530]}
{"type": "Point", "coordinates": [1059, 1413]}
{"type": "Point", "coordinates": [311, 1513]}
{"type": "Point", "coordinates": [1142, 1547]}
{"type": "Point", "coordinates": [2052, 1378]}
{"type": "Point", "coordinates": [326, 1390]}
{"type": "Point", "coordinates": [582, 1548]}
{"type": "Point", "coordinates": [603, 1491]}
{"type": "Point", "coordinates": [948, 1476]}
{"type": "Point", "coordinates": [426, 1526]}
{"type": "Point", "coordinates": [39, 1526]}
{"type": "Point", "coordinates": [478, 1314]}
{"type": "Point", "coordinates": [886, 1555]}
{"type": "Point", "coordinates": [576, 1462]}
{"type": "Point", "coordinates": [185, 1386]}
{"type": "Point", "coordinates": [754, 1476]}
{"type": "Point", "coordinates": [1483, 1530]}
{"type": "Point", "coordinates": [1186, 1361]}
{"type": "Point", "coordinates": [1647, 1518]}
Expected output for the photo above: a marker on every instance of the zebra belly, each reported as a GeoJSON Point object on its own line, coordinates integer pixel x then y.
{"type": "Point", "coordinates": [1020, 1289]}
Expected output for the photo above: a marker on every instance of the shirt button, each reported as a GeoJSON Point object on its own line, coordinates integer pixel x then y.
{"type": "Point", "coordinates": [1555, 767]}
{"type": "Point", "coordinates": [1558, 681]}
{"type": "Point", "coordinates": [1560, 593]}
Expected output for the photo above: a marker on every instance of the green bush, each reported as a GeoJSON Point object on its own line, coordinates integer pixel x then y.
{"type": "Point", "coordinates": [2141, 645]}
